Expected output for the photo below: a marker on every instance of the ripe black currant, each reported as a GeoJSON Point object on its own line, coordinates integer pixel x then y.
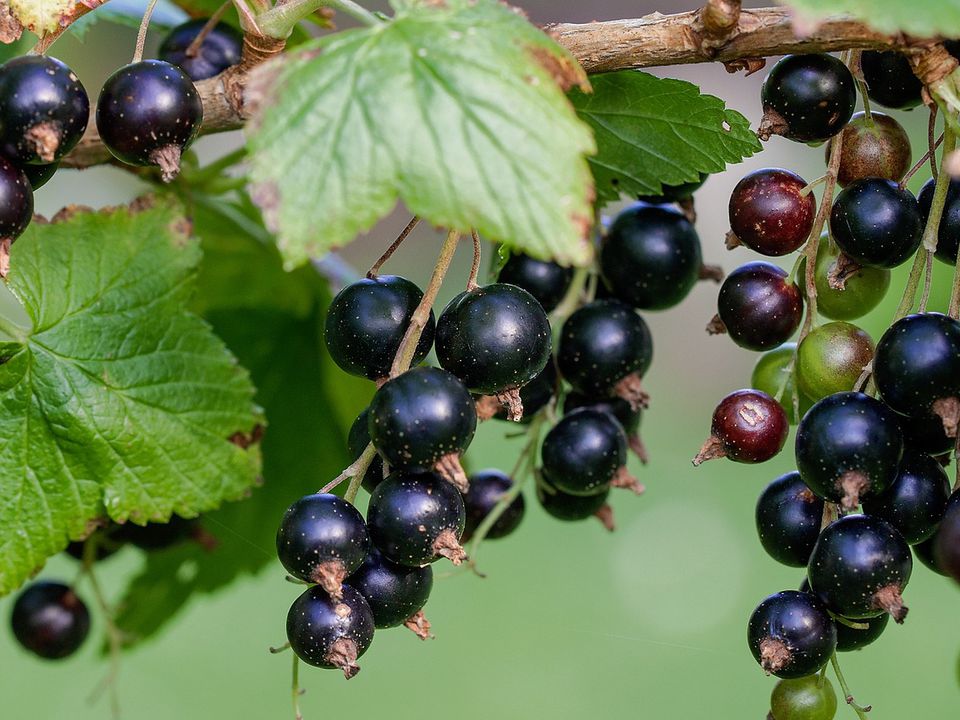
{"type": "Point", "coordinates": [627, 415]}
{"type": "Point", "coordinates": [417, 518]}
{"type": "Point", "coordinates": [770, 213]}
{"type": "Point", "coordinates": [759, 306]}
{"type": "Point", "coordinates": [926, 550]}
{"type": "Point", "coordinates": [876, 223]}
{"type": "Point", "coordinates": [573, 508]}
{"type": "Point", "coordinates": [545, 280]}
{"type": "Point", "coordinates": [675, 193]}
{"type": "Point", "coordinates": [773, 374]}
{"type": "Point", "coordinates": [105, 541]}
{"type": "Point", "coordinates": [38, 175]}
{"type": "Point", "coordinates": [874, 148]}
{"type": "Point", "coordinates": [423, 419]}
{"type": "Point", "coordinates": [366, 322]}
{"type": "Point", "coordinates": [890, 79]}
{"type": "Point", "coordinates": [788, 518]}
{"type": "Point", "coordinates": [357, 441]}
{"type": "Point", "coordinates": [916, 501]}
{"type": "Point", "coordinates": [330, 633]}
{"type": "Point", "coordinates": [917, 367]}
{"type": "Point", "coordinates": [219, 50]}
{"type": "Point", "coordinates": [791, 634]}
{"type": "Point", "coordinates": [807, 98]}
{"type": "Point", "coordinates": [859, 292]}
{"type": "Point", "coordinates": [16, 200]}
{"type": "Point", "coordinates": [748, 426]}
{"type": "Point", "coordinates": [851, 638]}
{"type": "Point", "coordinates": [926, 434]}
{"type": "Point", "coordinates": [156, 536]}
{"type": "Point", "coordinates": [322, 539]}
{"type": "Point", "coordinates": [534, 396]}
{"type": "Point", "coordinates": [395, 593]}
{"type": "Point", "coordinates": [487, 487]}
{"type": "Point", "coordinates": [948, 235]}
{"type": "Point", "coordinates": [44, 110]}
{"type": "Point", "coordinates": [651, 257]}
{"type": "Point", "coordinates": [496, 339]}
{"type": "Point", "coordinates": [831, 359]}
{"type": "Point", "coordinates": [859, 568]}
{"type": "Point", "coordinates": [848, 447]}
{"type": "Point", "coordinates": [49, 620]}
{"type": "Point", "coordinates": [946, 549]}
{"type": "Point", "coordinates": [148, 113]}
{"type": "Point", "coordinates": [605, 349]}
{"type": "Point", "coordinates": [806, 698]}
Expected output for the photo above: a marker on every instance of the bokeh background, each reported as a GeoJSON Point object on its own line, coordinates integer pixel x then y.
{"type": "Point", "coordinates": [570, 622]}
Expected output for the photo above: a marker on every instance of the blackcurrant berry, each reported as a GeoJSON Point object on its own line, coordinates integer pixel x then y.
{"type": "Point", "coordinates": [605, 349]}
{"type": "Point", "coordinates": [38, 175]}
{"type": "Point", "coordinates": [16, 200]}
{"type": "Point", "coordinates": [49, 620]}
{"type": "Point", "coordinates": [878, 147]}
{"type": "Point", "coordinates": [357, 441]}
{"type": "Point", "coordinates": [890, 79]}
{"type": "Point", "coordinates": [916, 501]}
{"type": "Point", "coordinates": [534, 396]}
{"type": "Point", "coordinates": [487, 487]}
{"type": "Point", "coordinates": [395, 593]}
{"type": "Point", "coordinates": [748, 426]}
{"type": "Point", "coordinates": [105, 540]}
{"type": "Point", "coordinates": [627, 415]}
{"type": "Point", "coordinates": [759, 306]}
{"type": "Point", "coordinates": [859, 568]}
{"type": "Point", "coordinates": [917, 367]}
{"type": "Point", "coordinates": [366, 322]}
{"type": "Point", "coordinates": [848, 447]}
{"type": "Point", "coordinates": [770, 213]}
{"type": "Point", "coordinates": [844, 292]}
{"type": "Point", "coordinates": [586, 452]}
{"type": "Point", "coordinates": [851, 638]}
{"type": "Point", "coordinates": [156, 536]}
{"type": "Point", "coordinates": [806, 698]}
{"type": "Point", "coordinates": [545, 280]}
{"type": "Point", "coordinates": [573, 508]}
{"type": "Point", "coordinates": [925, 551]}
{"type": "Point", "coordinates": [831, 359]}
{"type": "Point", "coordinates": [148, 113]}
{"type": "Point", "coordinates": [675, 193]}
{"type": "Point", "coordinates": [807, 98]}
{"type": "Point", "coordinates": [876, 223]}
{"type": "Point", "coordinates": [791, 634]}
{"type": "Point", "coordinates": [417, 518]}
{"type": "Point", "coordinates": [219, 50]}
{"type": "Point", "coordinates": [948, 235]}
{"type": "Point", "coordinates": [322, 539]}
{"type": "Point", "coordinates": [44, 110]}
{"type": "Point", "coordinates": [926, 434]}
{"type": "Point", "coordinates": [651, 257]}
{"type": "Point", "coordinates": [788, 518]}
{"type": "Point", "coordinates": [946, 550]}
{"type": "Point", "coordinates": [423, 419]}
{"type": "Point", "coordinates": [496, 339]}
{"type": "Point", "coordinates": [330, 633]}
{"type": "Point", "coordinates": [773, 374]}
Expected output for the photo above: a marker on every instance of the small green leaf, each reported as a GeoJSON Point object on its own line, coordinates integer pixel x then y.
{"type": "Point", "coordinates": [116, 401]}
{"type": "Point", "coordinates": [924, 18]}
{"type": "Point", "coordinates": [657, 131]}
{"type": "Point", "coordinates": [453, 108]}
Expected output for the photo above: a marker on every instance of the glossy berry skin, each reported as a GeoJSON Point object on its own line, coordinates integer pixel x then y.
{"type": "Point", "coordinates": [16, 200]}
{"type": "Point", "coordinates": [487, 487]}
{"type": "Point", "coordinates": [651, 257]}
{"type": "Point", "coordinates": [39, 175]}
{"type": "Point", "coordinates": [493, 338]}
{"type": "Point", "coordinates": [811, 96]}
{"type": "Point", "coordinates": [583, 452]}
{"type": "Point", "coordinates": [675, 193]}
{"type": "Point", "coordinates": [148, 107]}
{"type": "Point", "coordinates": [322, 536]}
{"type": "Point", "coordinates": [948, 235]}
{"type": "Point", "coordinates": [848, 447]}
{"type": "Point", "coordinates": [926, 434]}
{"type": "Point", "coordinates": [49, 620]}
{"type": "Point", "coordinates": [831, 359]}
{"type": "Point", "coordinates": [329, 633]}
{"type": "Point", "coordinates": [788, 519]}
{"type": "Point", "coordinates": [545, 280]}
{"type": "Point", "coordinates": [760, 306]}
{"type": "Point", "coordinates": [769, 213]}
{"type": "Point", "coordinates": [946, 548]}
{"type": "Point", "coordinates": [366, 322]}
{"type": "Point", "coordinates": [749, 426]}
{"type": "Point", "coordinates": [421, 416]}
{"type": "Point", "coordinates": [357, 440]}
{"type": "Point", "coordinates": [798, 626]}
{"type": "Point", "coordinates": [537, 393]}
{"type": "Point", "coordinates": [43, 110]}
{"type": "Point", "coordinates": [773, 371]}
{"type": "Point", "coordinates": [925, 551]}
{"type": "Point", "coordinates": [862, 292]}
{"type": "Point", "coordinates": [878, 148]}
{"type": "Point", "coordinates": [807, 698]}
{"type": "Point", "coordinates": [855, 559]}
{"type": "Point", "coordinates": [409, 512]}
{"type": "Point", "coordinates": [156, 536]}
{"type": "Point", "coordinates": [625, 414]}
{"type": "Point", "coordinates": [916, 501]}
{"type": "Point", "coordinates": [569, 508]}
{"type": "Point", "coordinates": [876, 223]}
{"type": "Point", "coordinates": [393, 592]}
{"type": "Point", "coordinates": [602, 343]}
{"type": "Point", "coordinates": [918, 363]}
{"type": "Point", "coordinates": [890, 79]}
{"type": "Point", "coordinates": [219, 50]}
{"type": "Point", "coordinates": [850, 639]}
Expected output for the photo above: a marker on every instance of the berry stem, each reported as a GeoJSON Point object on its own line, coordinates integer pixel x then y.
{"type": "Point", "coordinates": [812, 184]}
{"type": "Point", "coordinates": [142, 33]}
{"type": "Point", "coordinates": [295, 688]}
{"type": "Point", "coordinates": [193, 49]}
{"type": "Point", "coordinates": [571, 301]}
{"type": "Point", "coordinates": [921, 162]}
{"type": "Point", "coordinates": [280, 20]}
{"type": "Point", "coordinates": [931, 145]}
{"type": "Point", "coordinates": [475, 268]}
{"type": "Point", "coordinates": [857, 72]}
{"type": "Point", "coordinates": [388, 253]}
{"type": "Point", "coordinates": [356, 469]}
{"type": "Point", "coordinates": [114, 634]}
{"type": "Point", "coordinates": [860, 710]}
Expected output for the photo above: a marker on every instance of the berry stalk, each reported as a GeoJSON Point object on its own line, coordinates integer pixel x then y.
{"type": "Point", "coordinates": [860, 710]}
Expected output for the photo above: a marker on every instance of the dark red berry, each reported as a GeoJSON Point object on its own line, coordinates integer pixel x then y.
{"type": "Point", "coordinates": [487, 488]}
{"type": "Point", "coordinates": [16, 200]}
{"type": "Point", "coordinates": [788, 519]}
{"type": "Point", "coordinates": [890, 79]}
{"type": "Point", "coordinates": [878, 147]}
{"type": "Point", "coordinates": [49, 620]}
{"type": "Point", "coordinates": [545, 280]}
{"type": "Point", "coordinates": [760, 306]}
{"type": "Point", "coordinates": [748, 426]}
{"type": "Point", "coordinates": [770, 213]}
{"type": "Point", "coordinates": [330, 633]}
{"type": "Point", "coordinates": [395, 593]}
{"type": "Point", "coordinates": [791, 634]}
{"type": "Point", "coordinates": [948, 236]}
{"type": "Point", "coordinates": [876, 223]}
{"type": "Point", "coordinates": [916, 501]}
{"type": "Point", "coordinates": [219, 50]}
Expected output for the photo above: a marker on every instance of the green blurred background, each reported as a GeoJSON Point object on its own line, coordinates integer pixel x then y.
{"type": "Point", "coordinates": [571, 622]}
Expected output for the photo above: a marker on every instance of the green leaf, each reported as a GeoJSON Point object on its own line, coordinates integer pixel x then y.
{"type": "Point", "coordinates": [116, 401]}
{"type": "Point", "coordinates": [926, 18]}
{"type": "Point", "coordinates": [654, 131]}
{"type": "Point", "coordinates": [453, 108]}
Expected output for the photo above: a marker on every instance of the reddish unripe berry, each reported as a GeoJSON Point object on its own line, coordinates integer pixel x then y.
{"type": "Point", "coordinates": [748, 426]}
{"type": "Point", "coordinates": [770, 213]}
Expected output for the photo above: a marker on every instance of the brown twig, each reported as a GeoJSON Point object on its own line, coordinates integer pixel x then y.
{"type": "Point", "coordinates": [388, 253]}
{"type": "Point", "coordinates": [930, 153]}
{"type": "Point", "coordinates": [475, 267]}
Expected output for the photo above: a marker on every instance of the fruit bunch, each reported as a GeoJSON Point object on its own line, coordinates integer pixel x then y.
{"type": "Point", "coordinates": [876, 422]}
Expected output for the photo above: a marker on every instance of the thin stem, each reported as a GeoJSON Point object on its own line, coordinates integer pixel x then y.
{"type": "Point", "coordinates": [855, 66]}
{"type": "Point", "coordinates": [927, 281]}
{"type": "Point", "coordinates": [375, 269]}
{"type": "Point", "coordinates": [571, 301]}
{"type": "Point", "coordinates": [214, 169]}
{"type": "Point", "coordinates": [931, 145]}
{"type": "Point", "coordinates": [193, 49]}
{"type": "Point", "coordinates": [808, 188]}
{"type": "Point", "coordinates": [860, 710]}
{"type": "Point", "coordinates": [357, 469]}
{"type": "Point", "coordinates": [295, 688]}
{"type": "Point", "coordinates": [276, 650]}
{"type": "Point", "coordinates": [475, 267]}
{"type": "Point", "coordinates": [114, 634]}
{"type": "Point", "coordinates": [921, 162]}
{"type": "Point", "coordinates": [280, 20]}
{"type": "Point", "coordinates": [910, 289]}
{"type": "Point", "coordinates": [142, 34]}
